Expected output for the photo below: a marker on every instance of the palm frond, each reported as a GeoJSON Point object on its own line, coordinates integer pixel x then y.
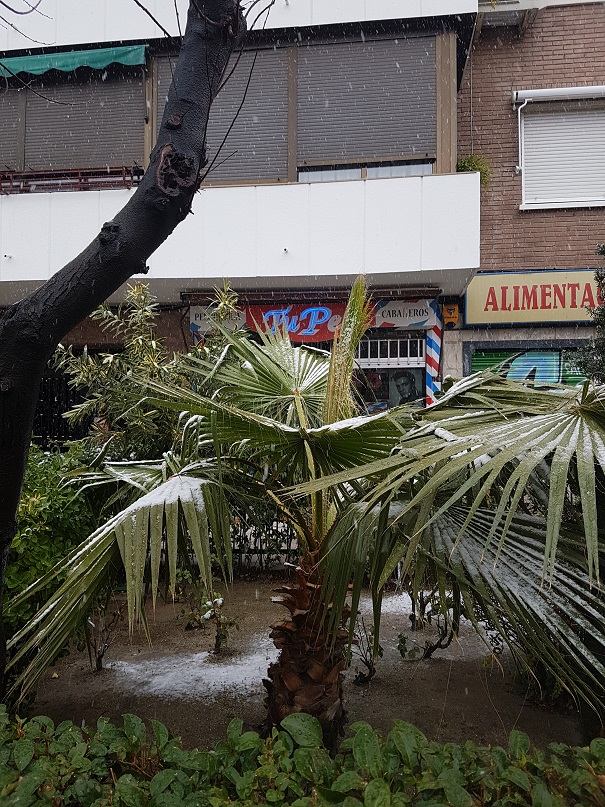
{"type": "Point", "coordinates": [484, 442]}
{"type": "Point", "coordinates": [134, 536]}
{"type": "Point", "coordinates": [560, 625]}
{"type": "Point", "coordinates": [339, 402]}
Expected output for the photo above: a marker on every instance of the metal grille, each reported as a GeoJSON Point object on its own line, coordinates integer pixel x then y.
{"type": "Point", "coordinates": [257, 146]}
{"type": "Point", "coordinates": [345, 88]}
{"type": "Point", "coordinates": [56, 397]}
{"type": "Point", "coordinates": [91, 179]}
{"type": "Point", "coordinates": [403, 351]}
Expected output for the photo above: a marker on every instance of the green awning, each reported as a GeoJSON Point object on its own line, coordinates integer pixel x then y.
{"type": "Point", "coordinates": [97, 59]}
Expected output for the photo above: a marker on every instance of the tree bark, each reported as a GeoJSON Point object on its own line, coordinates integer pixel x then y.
{"type": "Point", "coordinates": [31, 329]}
{"type": "Point", "coordinates": [308, 674]}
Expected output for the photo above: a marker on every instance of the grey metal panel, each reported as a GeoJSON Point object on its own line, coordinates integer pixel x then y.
{"type": "Point", "coordinates": [360, 100]}
{"type": "Point", "coordinates": [96, 124]}
{"type": "Point", "coordinates": [9, 129]}
{"type": "Point", "coordinates": [259, 137]}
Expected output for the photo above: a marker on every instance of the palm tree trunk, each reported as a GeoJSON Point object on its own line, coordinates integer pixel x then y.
{"type": "Point", "coordinates": [308, 674]}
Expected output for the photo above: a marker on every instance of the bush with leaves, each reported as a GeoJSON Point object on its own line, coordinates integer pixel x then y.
{"type": "Point", "coordinates": [51, 522]}
{"type": "Point", "coordinates": [41, 764]}
{"type": "Point", "coordinates": [111, 382]}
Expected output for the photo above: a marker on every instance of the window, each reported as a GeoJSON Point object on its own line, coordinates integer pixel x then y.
{"type": "Point", "coordinates": [335, 173]}
{"type": "Point", "coordinates": [562, 153]}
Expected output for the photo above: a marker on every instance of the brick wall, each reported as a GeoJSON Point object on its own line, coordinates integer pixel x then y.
{"type": "Point", "coordinates": [564, 46]}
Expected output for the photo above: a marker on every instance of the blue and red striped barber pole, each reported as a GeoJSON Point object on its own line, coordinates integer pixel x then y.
{"type": "Point", "coordinates": [434, 338]}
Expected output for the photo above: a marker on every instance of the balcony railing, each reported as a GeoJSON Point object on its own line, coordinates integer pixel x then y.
{"type": "Point", "coordinates": [72, 179]}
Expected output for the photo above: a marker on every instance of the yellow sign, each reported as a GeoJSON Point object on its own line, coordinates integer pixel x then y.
{"type": "Point", "coordinates": [520, 297]}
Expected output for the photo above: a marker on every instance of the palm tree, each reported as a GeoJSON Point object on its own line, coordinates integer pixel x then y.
{"type": "Point", "coordinates": [281, 415]}
{"type": "Point", "coordinates": [492, 491]}
{"type": "Point", "coordinates": [497, 492]}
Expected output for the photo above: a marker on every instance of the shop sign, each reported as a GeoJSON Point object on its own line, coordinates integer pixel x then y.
{"type": "Point", "coordinates": [318, 323]}
{"type": "Point", "coordinates": [200, 322]}
{"type": "Point", "coordinates": [530, 297]}
{"type": "Point", "coordinates": [414, 314]}
{"type": "Point", "coordinates": [304, 322]}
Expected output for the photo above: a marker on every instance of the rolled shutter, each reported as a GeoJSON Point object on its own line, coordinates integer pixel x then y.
{"type": "Point", "coordinates": [93, 125]}
{"type": "Point", "coordinates": [564, 153]}
{"type": "Point", "coordinates": [10, 123]}
{"type": "Point", "coordinates": [257, 146]}
{"type": "Point", "coordinates": [362, 100]}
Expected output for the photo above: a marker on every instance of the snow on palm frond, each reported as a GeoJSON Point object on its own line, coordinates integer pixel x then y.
{"type": "Point", "coordinates": [135, 537]}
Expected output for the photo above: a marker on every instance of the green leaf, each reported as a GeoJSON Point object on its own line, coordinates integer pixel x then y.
{"type": "Point", "coordinates": [367, 751]}
{"type": "Point", "coordinates": [234, 730]}
{"type": "Point", "coordinates": [160, 732]}
{"type": "Point", "coordinates": [314, 764]}
{"type": "Point", "coordinates": [23, 752]}
{"type": "Point", "coordinates": [518, 744]}
{"type": "Point", "coordinates": [304, 729]}
{"type": "Point", "coordinates": [161, 781]}
{"type": "Point", "coordinates": [597, 748]}
{"type": "Point", "coordinates": [134, 728]}
{"type": "Point", "coordinates": [377, 794]}
{"type": "Point", "coordinates": [248, 740]}
{"type": "Point", "coordinates": [128, 793]}
{"type": "Point", "coordinates": [518, 777]}
{"type": "Point", "coordinates": [541, 797]}
{"type": "Point", "coordinates": [349, 780]}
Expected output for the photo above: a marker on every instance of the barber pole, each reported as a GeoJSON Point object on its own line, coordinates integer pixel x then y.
{"type": "Point", "coordinates": [433, 357]}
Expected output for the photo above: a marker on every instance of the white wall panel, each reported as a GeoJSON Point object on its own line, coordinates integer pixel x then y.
{"type": "Point", "coordinates": [336, 227]}
{"type": "Point", "coordinates": [415, 230]}
{"type": "Point", "coordinates": [73, 22]}
{"type": "Point", "coordinates": [444, 244]}
{"type": "Point", "coordinates": [393, 226]}
{"type": "Point", "coordinates": [25, 248]}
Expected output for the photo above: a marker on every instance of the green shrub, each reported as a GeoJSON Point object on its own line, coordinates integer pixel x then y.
{"type": "Point", "coordinates": [41, 764]}
{"type": "Point", "coordinates": [50, 523]}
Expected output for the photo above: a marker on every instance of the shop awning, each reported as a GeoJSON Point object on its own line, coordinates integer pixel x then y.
{"type": "Point", "coordinates": [70, 60]}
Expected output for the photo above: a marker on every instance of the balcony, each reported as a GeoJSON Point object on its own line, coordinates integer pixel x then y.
{"type": "Point", "coordinates": [420, 232]}
{"type": "Point", "coordinates": [67, 22]}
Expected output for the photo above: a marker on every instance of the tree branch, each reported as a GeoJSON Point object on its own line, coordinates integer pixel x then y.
{"type": "Point", "coordinates": [31, 329]}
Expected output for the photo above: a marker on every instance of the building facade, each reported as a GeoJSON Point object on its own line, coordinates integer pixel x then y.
{"type": "Point", "coordinates": [341, 161]}
{"type": "Point", "coordinates": [532, 104]}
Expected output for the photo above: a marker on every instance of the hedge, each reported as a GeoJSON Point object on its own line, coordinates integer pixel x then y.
{"type": "Point", "coordinates": [44, 764]}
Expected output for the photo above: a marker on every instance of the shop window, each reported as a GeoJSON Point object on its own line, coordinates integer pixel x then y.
{"type": "Point", "coordinates": [388, 351]}
{"type": "Point", "coordinates": [383, 389]}
{"type": "Point", "coordinates": [562, 154]}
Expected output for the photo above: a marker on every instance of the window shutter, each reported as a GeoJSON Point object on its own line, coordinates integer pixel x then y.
{"type": "Point", "coordinates": [9, 130]}
{"type": "Point", "coordinates": [361, 100]}
{"type": "Point", "coordinates": [564, 153]}
{"type": "Point", "coordinates": [259, 137]}
{"type": "Point", "coordinates": [96, 124]}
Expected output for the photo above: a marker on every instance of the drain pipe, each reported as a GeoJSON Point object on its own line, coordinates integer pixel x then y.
{"type": "Point", "coordinates": [519, 167]}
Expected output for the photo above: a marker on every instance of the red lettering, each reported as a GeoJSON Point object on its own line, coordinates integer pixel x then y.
{"type": "Point", "coordinates": [545, 296]}
{"type": "Point", "coordinates": [574, 288]}
{"type": "Point", "coordinates": [559, 291]}
{"type": "Point", "coordinates": [491, 301]}
{"type": "Point", "coordinates": [529, 299]}
{"type": "Point", "coordinates": [588, 296]}
{"type": "Point", "coordinates": [516, 298]}
{"type": "Point", "coordinates": [504, 292]}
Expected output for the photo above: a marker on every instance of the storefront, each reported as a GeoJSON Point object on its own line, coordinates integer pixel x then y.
{"type": "Point", "coordinates": [528, 323]}
{"type": "Point", "coordinates": [399, 356]}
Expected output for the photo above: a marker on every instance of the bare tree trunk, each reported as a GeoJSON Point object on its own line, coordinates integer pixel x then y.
{"type": "Point", "coordinates": [31, 329]}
